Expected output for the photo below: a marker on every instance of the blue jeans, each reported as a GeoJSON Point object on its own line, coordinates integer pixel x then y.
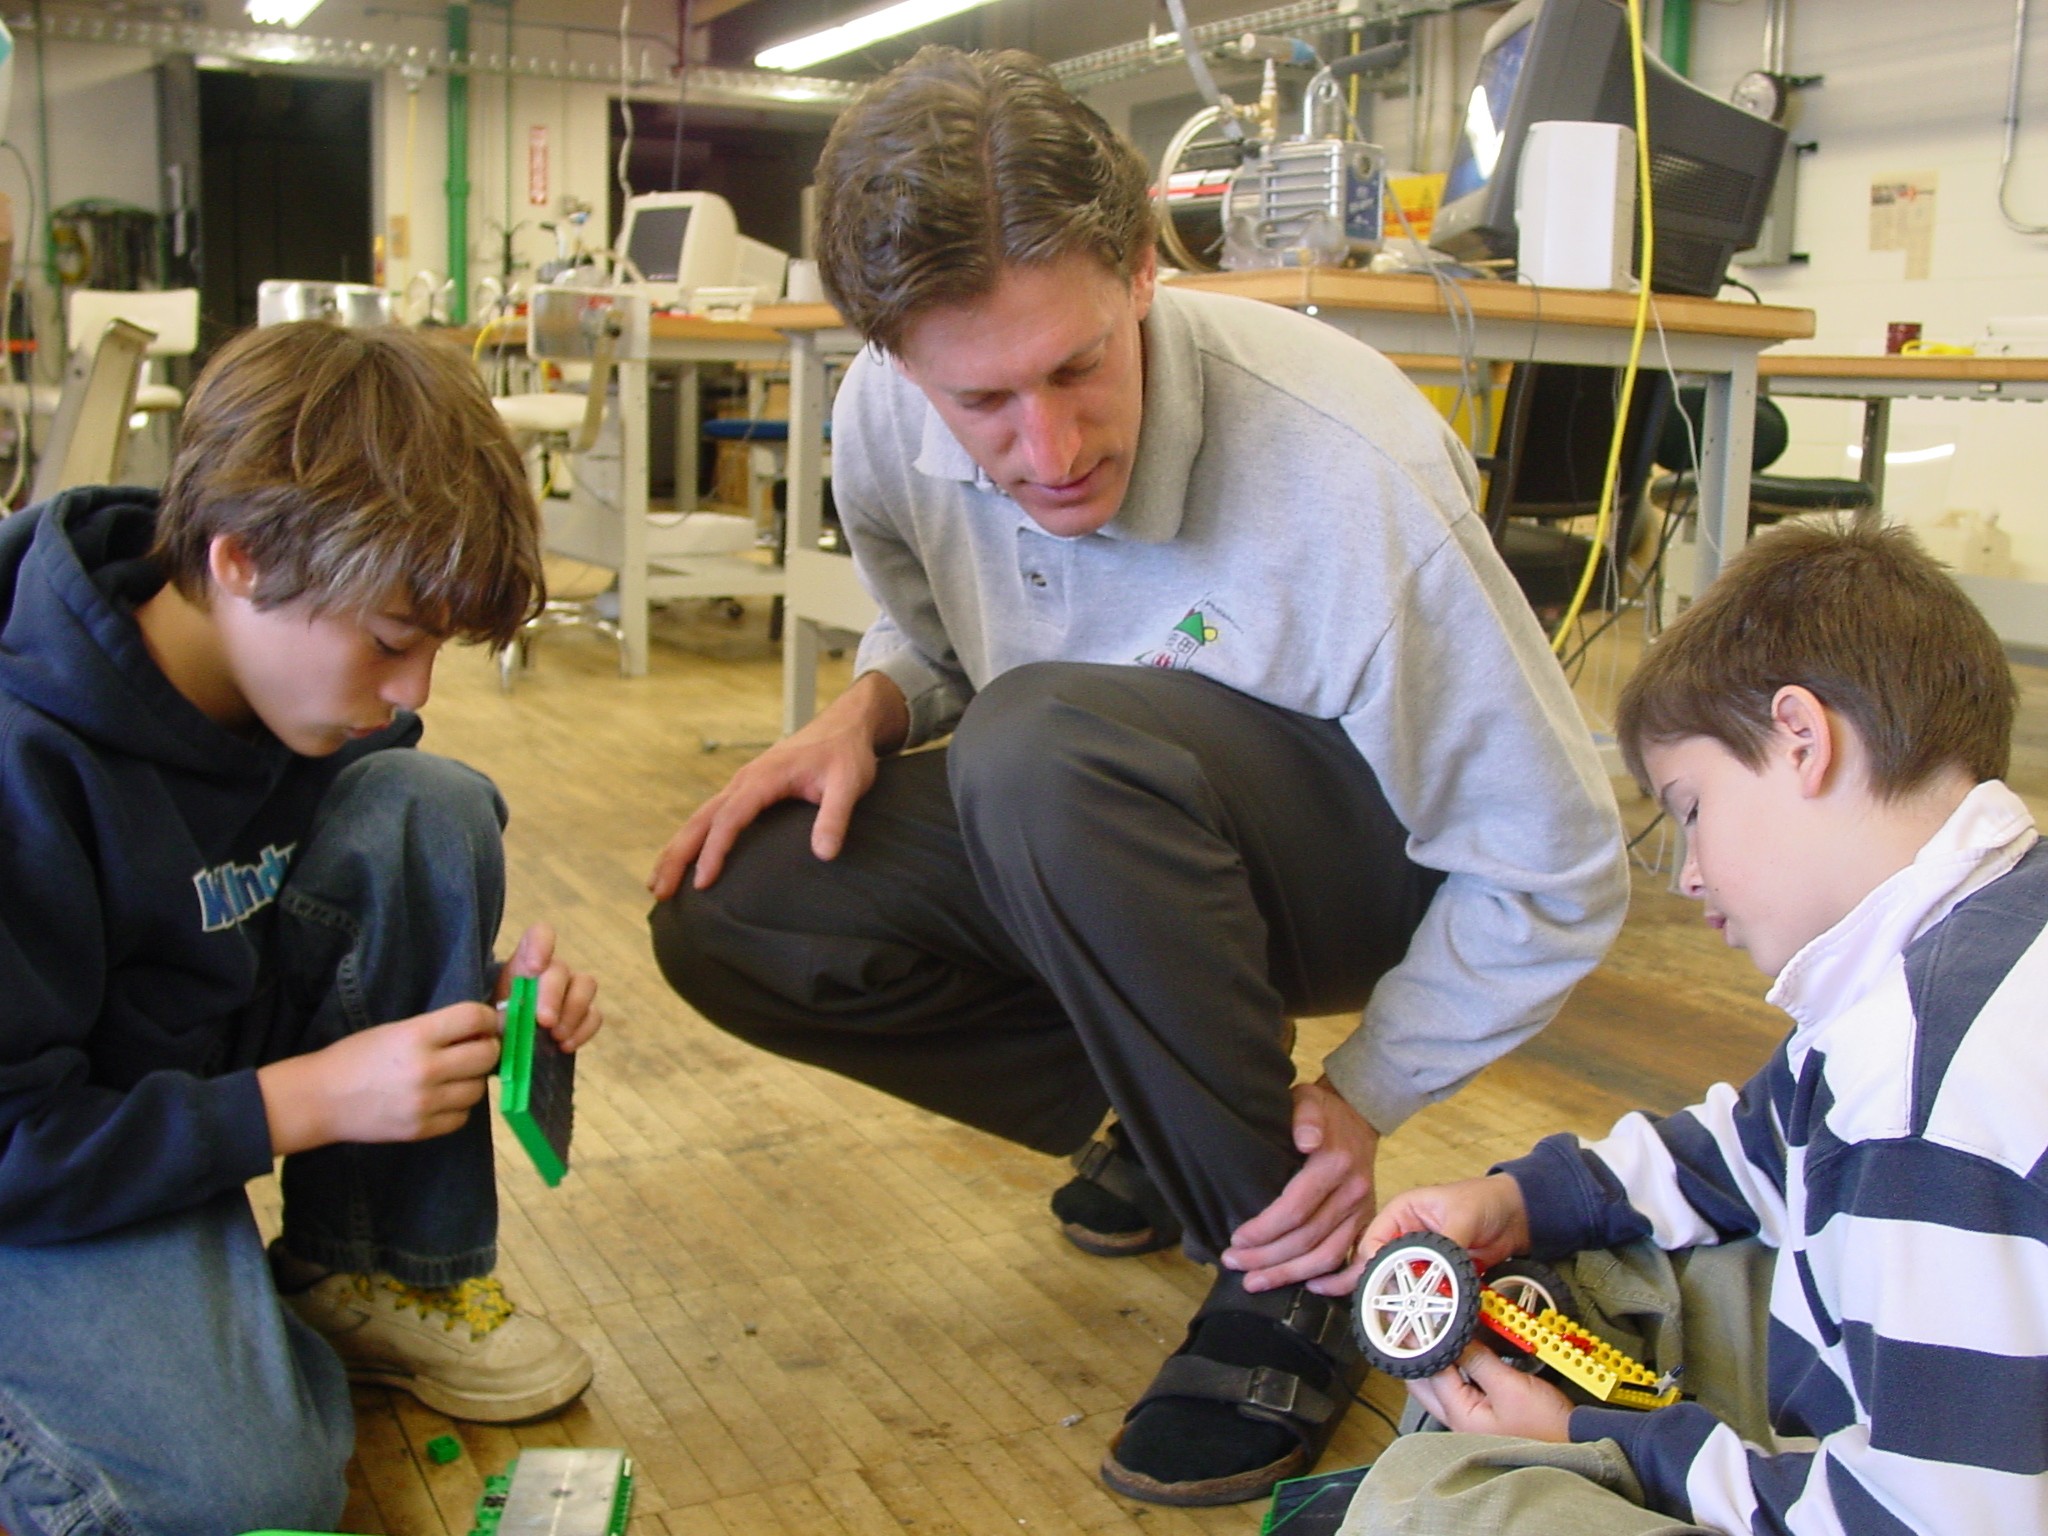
{"type": "Point", "coordinates": [150, 1379]}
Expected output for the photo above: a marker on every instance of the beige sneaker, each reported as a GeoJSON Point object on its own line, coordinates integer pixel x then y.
{"type": "Point", "coordinates": [463, 1350]}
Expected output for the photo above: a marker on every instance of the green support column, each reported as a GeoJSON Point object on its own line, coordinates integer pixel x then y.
{"type": "Point", "coordinates": [1677, 35]}
{"type": "Point", "coordinates": [458, 164]}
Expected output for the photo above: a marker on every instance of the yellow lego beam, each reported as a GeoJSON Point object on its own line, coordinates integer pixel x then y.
{"type": "Point", "coordinates": [1571, 1350]}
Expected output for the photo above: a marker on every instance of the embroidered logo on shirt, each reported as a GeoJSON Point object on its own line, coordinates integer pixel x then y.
{"type": "Point", "coordinates": [229, 893]}
{"type": "Point", "coordinates": [1203, 626]}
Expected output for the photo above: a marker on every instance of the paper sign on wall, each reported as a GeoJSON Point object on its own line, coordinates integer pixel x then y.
{"type": "Point", "coordinates": [537, 166]}
{"type": "Point", "coordinates": [1902, 218]}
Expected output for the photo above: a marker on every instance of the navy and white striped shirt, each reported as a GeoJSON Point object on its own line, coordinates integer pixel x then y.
{"type": "Point", "coordinates": [1895, 1153]}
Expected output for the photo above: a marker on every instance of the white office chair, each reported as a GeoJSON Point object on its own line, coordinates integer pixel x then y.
{"type": "Point", "coordinates": [172, 315]}
{"type": "Point", "coordinates": [544, 422]}
{"type": "Point", "coordinates": [88, 436]}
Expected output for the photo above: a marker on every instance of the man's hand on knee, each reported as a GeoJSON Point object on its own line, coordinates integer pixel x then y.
{"type": "Point", "coordinates": [830, 763]}
{"type": "Point", "coordinates": [1310, 1231]}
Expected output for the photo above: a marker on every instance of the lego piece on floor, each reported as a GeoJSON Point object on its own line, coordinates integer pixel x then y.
{"type": "Point", "coordinates": [1312, 1506]}
{"type": "Point", "coordinates": [537, 1082]}
{"type": "Point", "coordinates": [443, 1449]}
{"type": "Point", "coordinates": [557, 1492]}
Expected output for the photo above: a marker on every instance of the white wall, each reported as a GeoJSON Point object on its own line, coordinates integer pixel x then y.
{"type": "Point", "coordinates": [90, 91]}
{"type": "Point", "coordinates": [102, 122]}
{"type": "Point", "coordinates": [575, 118]}
{"type": "Point", "coordinates": [1911, 87]}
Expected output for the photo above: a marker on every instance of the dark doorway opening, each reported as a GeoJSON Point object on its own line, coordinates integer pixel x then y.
{"type": "Point", "coordinates": [284, 189]}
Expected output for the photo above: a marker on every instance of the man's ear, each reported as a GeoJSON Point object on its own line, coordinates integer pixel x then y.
{"type": "Point", "coordinates": [227, 562]}
{"type": "Point", "coordinates": [1804, 732]}
{"type": "Point", "coordinates": [1145, 280]}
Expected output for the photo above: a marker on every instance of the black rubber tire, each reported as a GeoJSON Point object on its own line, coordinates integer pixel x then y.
{"type": "Point", "coordinates": [1414, 1272]}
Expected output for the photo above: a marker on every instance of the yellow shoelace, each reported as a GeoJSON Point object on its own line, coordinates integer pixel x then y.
{"type": "Point", "coordinates": [479, 1303]}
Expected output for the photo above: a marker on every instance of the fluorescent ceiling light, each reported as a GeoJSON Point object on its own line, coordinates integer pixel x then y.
{"type": "Point", "coordinates": [891, 21]}
{"type": "Point", "coordinates": [280, 13]}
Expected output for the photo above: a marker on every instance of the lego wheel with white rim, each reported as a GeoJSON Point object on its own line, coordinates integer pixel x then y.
{"type": "Point", "coordinates": [1532, 1285]}
{"type": "Point", "coordinates": [1536, 1288]}
{"type": "Point", "coordinates": [1417, 1305]}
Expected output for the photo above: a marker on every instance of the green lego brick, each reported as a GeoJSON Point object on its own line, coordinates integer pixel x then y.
{"type": "Point", "coordinates": [537, 1082]}
{"type": "Point", "coordinates": [443, 1449]}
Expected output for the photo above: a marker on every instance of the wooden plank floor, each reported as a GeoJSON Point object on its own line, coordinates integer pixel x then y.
{"type": "Point", "coordinates": [815, 1310]}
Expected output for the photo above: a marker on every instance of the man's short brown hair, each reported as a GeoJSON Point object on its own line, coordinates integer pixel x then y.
{"type": "Point", "coordinates": [956, 165]}
{"type": "Point", "coordinates": [355, 467]}
{"type": "Point", "coordinates": [1864, 618]}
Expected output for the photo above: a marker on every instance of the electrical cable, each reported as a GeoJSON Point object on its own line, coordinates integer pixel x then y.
{"type": "Point", "coordinates": [412, 128]}
{"type": "Point", "coordinates": [1375, 1410]}
{"type": "Point", "coordinates": [1233, 128]}
{"type": "Point", "coordinates": [1650, 572]}
{"type": "Point", "coordinates": [2012, 125]}
{"type": "Point", "coordinates": [1647, 265]}
{"type": "Point", "coordinates": [1169, 162]}
{"type": "Point", "coordinates": [675, 149]}
{"type": "Point", "coordinates": [1649, 589]}
{"type": "Point", "coordinates": [1457, 303]}
{"type": "Point", "coordinates": [1636, 841]}
{"type": "Point", "coordinates": [619, 172]}
{"type": "Point", "coordinates": [1672, 517]}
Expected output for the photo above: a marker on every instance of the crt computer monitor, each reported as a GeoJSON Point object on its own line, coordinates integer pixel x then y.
{"type": "Point", "coordinates": [1712, 165]}
{"type": "Point", "coordinates": [678, 242]}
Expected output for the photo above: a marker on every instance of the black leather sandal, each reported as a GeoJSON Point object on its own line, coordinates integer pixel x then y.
{"type": "Point", "coordinates": [1111, 1208]}
{"type": "Point", "coordinates": [1250, 1399]}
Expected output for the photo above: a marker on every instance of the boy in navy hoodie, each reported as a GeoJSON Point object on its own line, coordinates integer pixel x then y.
{"type": "Point", "coordinates": [244, 920]}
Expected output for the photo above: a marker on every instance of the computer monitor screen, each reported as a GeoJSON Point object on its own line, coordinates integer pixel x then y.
{"type": "Point", "coordinates": [655, 242]}
{"type": "Point", "coordinates": [1486, 113]}
{"type": "Point", "coordinates": [677, 244]}
{"type": "Point", "coordinates": [1712, 165]}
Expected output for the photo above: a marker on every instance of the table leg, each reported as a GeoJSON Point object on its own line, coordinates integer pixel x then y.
{"type": "Point", "coordinates": [1725, 443]}
{"type": "Point", "coordinates": [689, 435]}
{"type": "Point", "coordinates": [633, 508]}
{"type": "Point", "coordinates": [1877, 433]}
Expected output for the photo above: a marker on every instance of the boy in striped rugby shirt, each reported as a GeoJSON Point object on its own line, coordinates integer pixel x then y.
{"type": "Point", "coordinates": [1829, 723]}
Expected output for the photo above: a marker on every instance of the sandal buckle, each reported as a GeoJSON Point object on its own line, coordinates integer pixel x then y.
{"type": "Point", "coordinates": [1314, 1317]}
{"type": "Point", "coordinates": [1272, 1389]}
{"type": "Point", "coordinates": [1093, 1158]}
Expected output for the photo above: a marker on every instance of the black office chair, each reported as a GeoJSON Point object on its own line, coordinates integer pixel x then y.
{"type": "Point", "coordinates": [1557, 422]}
{"type": "Point", "coordinates": [1771, 497]}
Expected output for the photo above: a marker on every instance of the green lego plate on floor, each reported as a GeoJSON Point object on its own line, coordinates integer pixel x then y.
{"type": "Point", "coordinates": [558, 1492]}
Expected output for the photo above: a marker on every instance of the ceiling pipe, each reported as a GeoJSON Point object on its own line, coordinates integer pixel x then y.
{"type": "Point", "coordinates": [760, 89]}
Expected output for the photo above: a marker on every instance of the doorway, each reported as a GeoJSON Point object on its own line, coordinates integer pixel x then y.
{"type": "Point", "coordinates": [284, 188]}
